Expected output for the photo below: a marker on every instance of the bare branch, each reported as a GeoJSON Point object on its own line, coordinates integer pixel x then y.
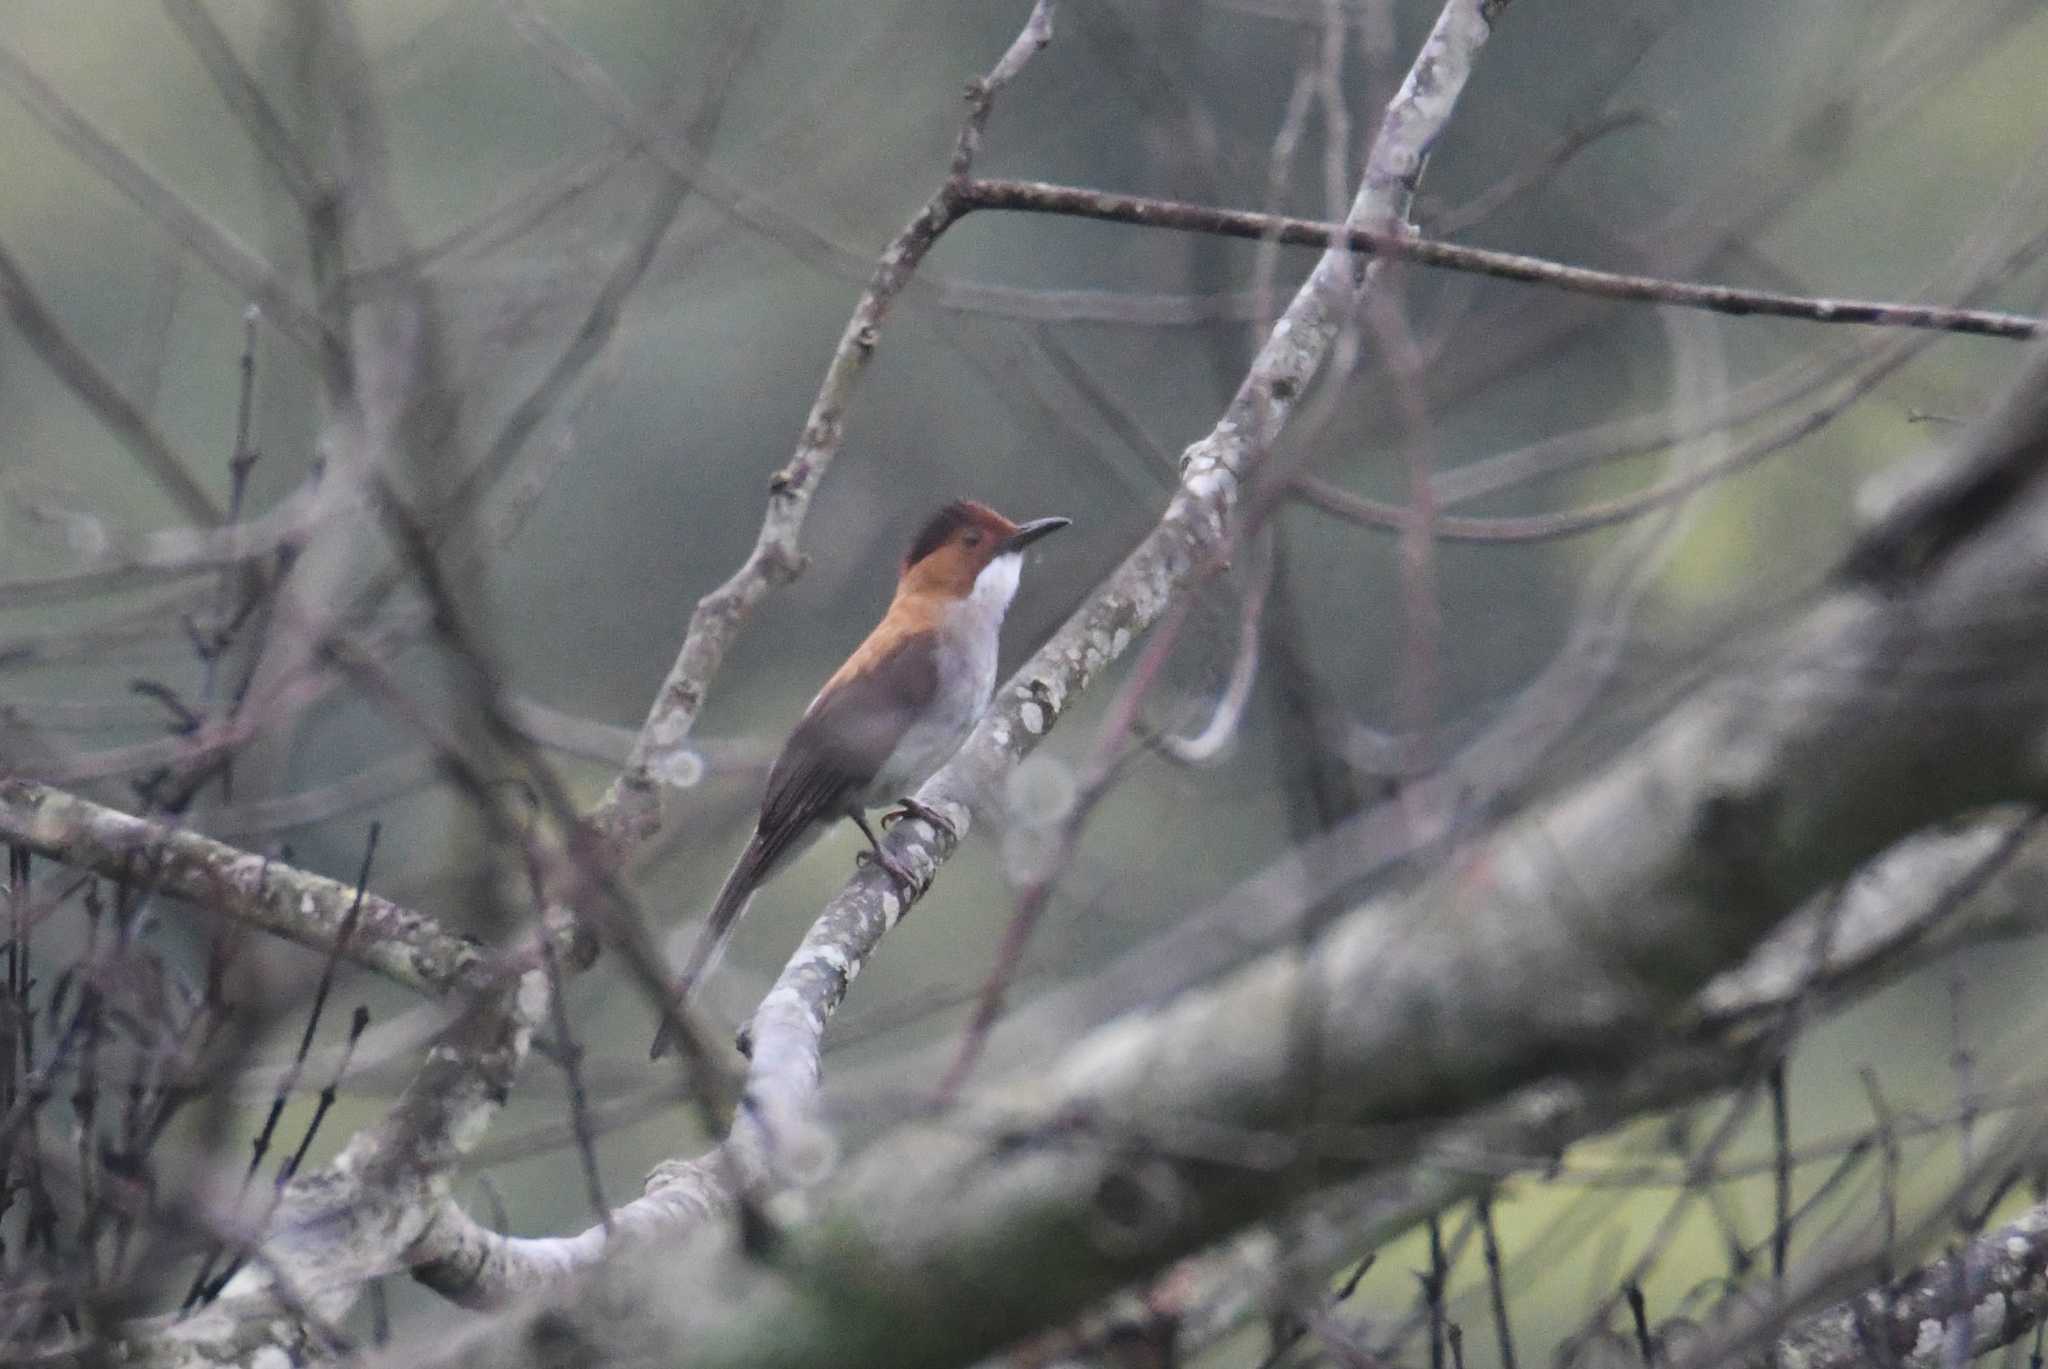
{"type": "Point", "coordinates": [97, 391]}
{"type": "Point", "coordinates": [1038, 197]}
{"type": "Point", "coordinates": [213, 244]}
{"type": "Point", "coordinates": [310, 909]}
{"type": "Point", "coordinates": [258, 116]}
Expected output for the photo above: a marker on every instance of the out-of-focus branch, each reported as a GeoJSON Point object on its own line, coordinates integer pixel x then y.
{"type": "Point", "coordinates": [151, 559]}
{"type": "Point", "coordinates": [754, 208]}
{"type": "Point", "coordinates": [98, 392]}
{"type": "Point", "coordinates": [1227, 712]}
{"type": "Point", "coordinates": [337, 1229]}
{"type": "Point", "coordinates": [1925, 896]}
{"type": "Point", "coordinates": [239, 90]}
{"type": "Point", "coordinates": [607, 307]}
{"type": "Point", "coordinates": [230, 259]}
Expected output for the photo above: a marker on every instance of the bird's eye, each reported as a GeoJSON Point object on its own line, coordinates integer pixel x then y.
{"type": "Point", "coordinates": [973, 539]}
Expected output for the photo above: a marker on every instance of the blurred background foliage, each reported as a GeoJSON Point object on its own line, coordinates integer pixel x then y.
{"type": "Point", "coordinates": [1852, 148]}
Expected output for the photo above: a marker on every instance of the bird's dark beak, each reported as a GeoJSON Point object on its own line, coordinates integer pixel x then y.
{"type": "Point", "coordinates": [1032, 531]}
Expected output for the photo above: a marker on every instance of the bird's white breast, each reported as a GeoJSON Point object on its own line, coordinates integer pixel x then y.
{"type": "Point", "coordinates": [967, 679]}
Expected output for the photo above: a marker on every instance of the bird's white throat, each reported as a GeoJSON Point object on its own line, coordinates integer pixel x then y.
{"type": "Point", "coordinates": [996, 586]}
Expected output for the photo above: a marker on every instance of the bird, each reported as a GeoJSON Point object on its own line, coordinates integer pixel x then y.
{"type": "Point", "coordinates": [889, 717]}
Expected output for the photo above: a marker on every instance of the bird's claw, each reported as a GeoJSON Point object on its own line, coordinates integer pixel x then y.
{"type": "Point", "coordinates": [911, 808]}
{"type": "Point", "coordinates": [903, 877]}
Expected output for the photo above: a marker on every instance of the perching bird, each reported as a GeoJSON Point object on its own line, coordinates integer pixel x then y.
{"type": "Point", "coordinates": [894, 713]}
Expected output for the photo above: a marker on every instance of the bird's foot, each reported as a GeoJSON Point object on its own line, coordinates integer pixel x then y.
{"type": "Point", "coordinates": [897, 871]}
{"type": "Point", "coordinates": [911, 808]}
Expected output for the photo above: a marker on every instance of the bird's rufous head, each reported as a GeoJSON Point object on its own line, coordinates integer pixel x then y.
{"type": "Point", "coordinates": [962, 540]}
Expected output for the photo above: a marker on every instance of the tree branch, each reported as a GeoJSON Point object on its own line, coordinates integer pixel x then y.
{"type": "Point", "coordinates": [1039, 197]}
{"type": "Point", "coordinates": [1997, 1284]}
{"type": "Point", "coordinates": [397, 942]}
{"type": "Point", "coordinates": [247, 272]}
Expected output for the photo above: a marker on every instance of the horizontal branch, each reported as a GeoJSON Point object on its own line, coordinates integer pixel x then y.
{"type": "Point", "coordinates": [150, 560]}
{"type": "Point", "coordinates": [1039, 197]}
{"type": "Point", "coordinates": [397, 942]}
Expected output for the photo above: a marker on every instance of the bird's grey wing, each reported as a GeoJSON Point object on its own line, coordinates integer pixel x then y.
{"type": "Point", "coordinates": [843, 741]}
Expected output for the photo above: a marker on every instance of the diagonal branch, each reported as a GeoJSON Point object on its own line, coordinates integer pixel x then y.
{"type": "Point", "coordinates": [98, 392]}
{"type": "Point", "coordinates": [1995, 1285]}
{"type": "Point", "coordinates": [403, 945]}
{"type": "Point", "coordinates": [1038, 197]}
{"type": "Point", "coordinates": [234, 262]}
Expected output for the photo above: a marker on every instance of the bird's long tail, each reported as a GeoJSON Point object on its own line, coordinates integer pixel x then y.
{"type": "Point", "coordinates": [747, 873]}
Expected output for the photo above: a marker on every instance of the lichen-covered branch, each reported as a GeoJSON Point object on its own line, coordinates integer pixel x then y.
{"type": "Point", "coordinates": [1213, 474]}
{"type": "Point", "coordinates": [458, 1256]}
{"type": "Point", "coordinates": [395, 941]}
{"type": "Point", "coordinates": [1996, 1284]}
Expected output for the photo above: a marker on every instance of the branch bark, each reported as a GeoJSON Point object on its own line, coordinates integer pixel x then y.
{"type": "Point", "coordinates": [397, 942]}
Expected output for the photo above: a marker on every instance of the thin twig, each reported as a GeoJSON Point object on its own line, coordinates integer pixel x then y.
{"type": "Point", "coordinates": [1496, 1289]}
{"type": "Point", "coordinates": [1781, 1187]}
{"type": "Point", "coordinates": [1888, 1180]}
